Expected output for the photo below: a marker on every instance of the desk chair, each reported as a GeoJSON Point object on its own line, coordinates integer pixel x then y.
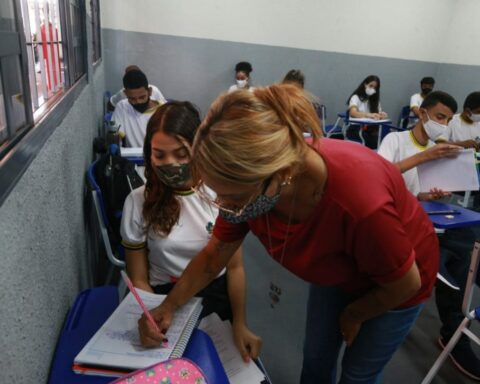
{"type": "Point", "coordinates": [404, 118]}
{"type": "Point", "coordinates": [114, 251]}
{"type": "Point", "coordinates": [471, 313]}
{"type": "Point", "coordinates": [330, 130]}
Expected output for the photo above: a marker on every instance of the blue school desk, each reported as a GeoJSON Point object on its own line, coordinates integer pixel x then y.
{"type": "Point", "coordinates": [90, 310]}
{"type": "Point", "coordinates": [461, 217]}
{"type": "Point", "coordinates": [349, 121]}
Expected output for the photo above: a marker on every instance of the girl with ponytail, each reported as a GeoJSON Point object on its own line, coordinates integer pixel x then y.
{"type": "Point", "coordinates": [332, 212]}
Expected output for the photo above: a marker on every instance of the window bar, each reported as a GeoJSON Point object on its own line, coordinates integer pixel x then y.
{"type": "Point", "coordinates": [55, 29]}
{"type": "Point", "coordinates": [30, 54]}
{"type": "Point", "coordinates": [49, 45]}
{"type": "Point", "coordinates": [40, 43]}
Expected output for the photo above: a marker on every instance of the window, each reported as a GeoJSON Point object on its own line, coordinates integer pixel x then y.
{"type": "Point", "coordinates": [43, 53]}
{"type": "Point", "coordinates": [96, 37]}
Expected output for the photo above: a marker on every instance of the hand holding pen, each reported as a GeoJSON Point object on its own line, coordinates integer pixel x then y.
{"type": "Point", "coordinates": [147, 317]}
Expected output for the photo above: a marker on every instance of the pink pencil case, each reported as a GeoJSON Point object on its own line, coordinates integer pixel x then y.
{"type": "Point", "coordinates": [174, 371]}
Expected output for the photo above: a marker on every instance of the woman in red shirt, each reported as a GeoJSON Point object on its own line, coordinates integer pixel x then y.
{"type": "Point", "coordinates": [334, 213]}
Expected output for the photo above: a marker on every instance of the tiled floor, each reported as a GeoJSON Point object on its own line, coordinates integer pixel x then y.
{"type": "Point", "coordinates": [282, 328]}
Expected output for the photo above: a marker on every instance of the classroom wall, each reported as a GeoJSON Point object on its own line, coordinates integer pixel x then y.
{"type": "Point", "coordinates": [189, 48]}
{"type": "Point", "coordinates": [45, 257]}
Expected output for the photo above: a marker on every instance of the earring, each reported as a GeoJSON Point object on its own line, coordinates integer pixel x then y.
{"type": "Point", "coordinates": [286, 182]}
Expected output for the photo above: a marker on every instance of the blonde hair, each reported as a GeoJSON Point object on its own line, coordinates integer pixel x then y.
{"type": "Point", "coordinates": [248, 136]}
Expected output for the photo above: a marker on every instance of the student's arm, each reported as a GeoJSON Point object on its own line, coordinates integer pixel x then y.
{"type": "Point", "coordinates": [378, 301]}
{"type": "Point", "coordinates": [201, 270]}
{"type": "Point", "coordinates": [415, 110]}
{"type": "Point", "coordinates": [137, 268]}
{"type": "Point", "coordinates": [436, 152]}
{"type": "Point", "coordinates": [354, 112]}
{"type": "Point", "coordinates": [247, 342]}
{"type": "Point", "coordinates": [465, 144]}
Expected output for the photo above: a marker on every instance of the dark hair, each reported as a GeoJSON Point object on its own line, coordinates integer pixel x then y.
{"type": "Point", "coordinates": [436, 97]}
{"type": "Point", "coordinates": [427, 80]}
{"type": "Point", "coordinates": [472, 101]}
{"type": "Point", "coordinates": [161, 208]}
{"type": "Point", "coordinates": [134, 79]}
{"type": "Point", "coordinates": [244, 66]}
{"type": "Point", "coordinates": [373, 100]}
{"type": "Point", "coordinates": [294, 76]}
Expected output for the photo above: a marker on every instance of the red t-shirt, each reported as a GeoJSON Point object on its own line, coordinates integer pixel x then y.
{"type": "Point", "coordinates": [366, 229]}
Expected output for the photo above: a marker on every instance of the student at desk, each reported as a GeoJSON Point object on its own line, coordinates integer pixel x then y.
{"type": "Point", "coordinates": [426, 86]}
{"type": "Point", "coordinates": [165, 223]}
{"type": "Point", "coordinates": [408, 149]}
{"type": "Point", "coordinates": [464, 128]}
{"type": "Point", "coordinates": [296, 197]}
{"type": "Point", "coordinates": [242, 77]}
{"type": "Point", "coordinates": [132, 114]}
{"type": "Point", "coordinates": [364, 102]}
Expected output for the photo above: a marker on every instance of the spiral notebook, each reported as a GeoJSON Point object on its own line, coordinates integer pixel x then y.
{"type": "Point", "coordinates": [115, 349]}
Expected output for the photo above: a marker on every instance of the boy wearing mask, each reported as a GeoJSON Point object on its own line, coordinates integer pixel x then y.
{"type": "Point", "coordinates": [133, 113]}
{"type": "Point", "coordinates": [407, 149]}
{"type": "Point", "coordinates": [464, 128]}
{"type": "Point", "coordinates": [426, 86]}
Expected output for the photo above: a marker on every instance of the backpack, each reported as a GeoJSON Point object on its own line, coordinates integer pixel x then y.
{"type": "Point", "coordinates": [116, 178]}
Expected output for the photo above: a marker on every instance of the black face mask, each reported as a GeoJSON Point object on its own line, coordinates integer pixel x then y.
{"type": "Point", "coordinates": [426, 91]}
{"type": "Point", "coordinates": [141, 107]}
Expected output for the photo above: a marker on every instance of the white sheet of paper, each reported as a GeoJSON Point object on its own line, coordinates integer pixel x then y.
{"type": "Point", "coordinates": [450, 174]}
{"type": "Point", "coordinates": [367, 120]}
{"type": "Point", "coordinates": [131, 151]}
{"type": "Point", "coordinates": [237, 370]}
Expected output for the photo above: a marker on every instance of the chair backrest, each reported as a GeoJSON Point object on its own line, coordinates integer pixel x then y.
{"type": "Point", "coordinates": [404, 117]}
{"type": "Point", "coordinates": [473, 277]}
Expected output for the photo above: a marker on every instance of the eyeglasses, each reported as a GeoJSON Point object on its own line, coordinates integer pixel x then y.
{"type": "Point", "coordinates": [214, 202]}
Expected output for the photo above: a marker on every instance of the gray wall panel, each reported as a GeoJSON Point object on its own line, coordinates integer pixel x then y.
{"type": "Point", "coordinates": [45, 258]}
{"type": "Point", "coordinates": [199, 69]}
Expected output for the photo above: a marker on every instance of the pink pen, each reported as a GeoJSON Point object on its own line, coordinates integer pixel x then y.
{"type": "Point", "coordinates": [142, 305]}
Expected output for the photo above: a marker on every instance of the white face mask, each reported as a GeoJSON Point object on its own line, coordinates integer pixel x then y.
{"type": "Point", "coordinates": [370, 91]}
{"type": "Point", "coordinates": [475, 117]}
{"type": "Point", "coordinates": [241, 83]}
{"type": "Point", "coordinates": [434, 130]}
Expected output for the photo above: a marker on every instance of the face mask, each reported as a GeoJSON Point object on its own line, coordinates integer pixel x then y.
{"type": "Point", "coordinates": [174, 175]}
{"type": "Point", "coordinates": [241, 83]}
{"type": "Point", "coordinates": [434, 130]}
{"type": "Point", "coordinates": [141, 107]}
{"type": "Point", "coordinates": [370, 91]}
{"type": "Point", "coordinates": [260, 206]}
{"type": "Point", "coordinates": [426, 91]}
{"type": "Point", "coordinates": [475, 117]}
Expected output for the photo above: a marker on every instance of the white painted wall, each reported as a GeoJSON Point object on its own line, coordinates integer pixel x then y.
{"type": "Point", "coordinates": [407, 29]}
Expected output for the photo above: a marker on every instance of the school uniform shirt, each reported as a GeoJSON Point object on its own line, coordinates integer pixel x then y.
{"type": "Point", "coordinates": [362, 106]}
{"type": "Point", "coordinates": [235, 87]}
{"type": "Point", "coordinates": [156, 95]}
{"type": "Point", "coordinates": [168, 256]}
{"type": "Point", "coordinates": [367, 229]}
{"type": "Point", "coordinates": [397, 146]}
{"type": "Point", "coordinates": [133, 124]}
{"type": "Point", "coordinates": [416, 100]}
{"type": "Point", "coordinates": [460, 130]}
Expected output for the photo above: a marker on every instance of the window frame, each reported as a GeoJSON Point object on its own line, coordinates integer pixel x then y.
{"type": "Point", "coordinates": [22, 147]}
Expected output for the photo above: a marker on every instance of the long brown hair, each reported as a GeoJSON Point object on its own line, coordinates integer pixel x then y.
{"type": "Point", "coordinates": [161, 208]}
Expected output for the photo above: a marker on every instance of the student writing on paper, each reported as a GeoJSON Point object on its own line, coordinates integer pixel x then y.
{"type": "Point", "coordinates": [297, 198]}
{"type": "Point", "coordinates": [132, 114]}
{"type": "Point", "coordinates": [165, 224]}
{"type": "Point", "coordinates": [120, 95]}
{"type": "Point", "coordinates": [364, 102]}
{"type": "Point", "coordinates": [408, 149]}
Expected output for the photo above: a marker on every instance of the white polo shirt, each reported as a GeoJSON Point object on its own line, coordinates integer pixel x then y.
{"type": "Point", "coordinates": [133, 124]}
{"type": "Point", "coordinates": [168, 256]}
{"type": "Point", "coordinates": [397, 146]}
{"type": "Point", "coordinates": [460, 130]}
{"type": "Point", "coordinates": [362, 106]}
